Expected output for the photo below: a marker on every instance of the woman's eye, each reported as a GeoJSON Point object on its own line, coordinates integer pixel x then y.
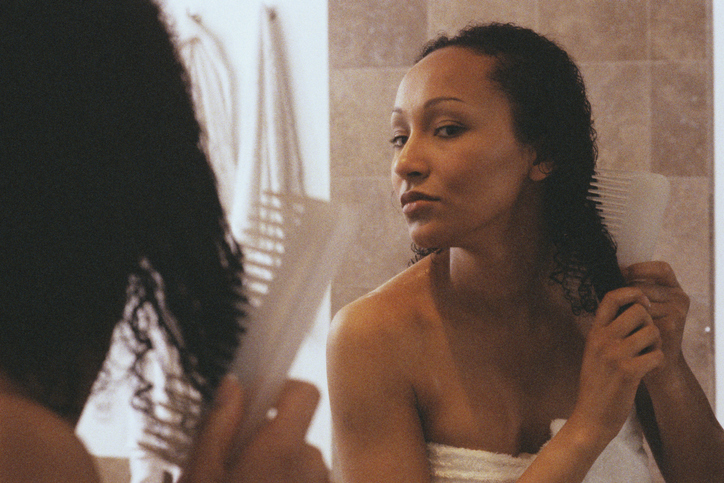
{"type": "Point", "coordinates": [398, 141]}
{"type": "Point", "coordinates": [449, 131]}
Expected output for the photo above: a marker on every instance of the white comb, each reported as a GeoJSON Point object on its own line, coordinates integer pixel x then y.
{"type": "Point", "coordinates": [292, 251]}
{"type": "Point", "coordinates": [632, 205]}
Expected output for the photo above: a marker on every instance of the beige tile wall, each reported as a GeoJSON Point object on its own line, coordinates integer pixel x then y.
{"type": "Point", "coordinates": [648, 67]}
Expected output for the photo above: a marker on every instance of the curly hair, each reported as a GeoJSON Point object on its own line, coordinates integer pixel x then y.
{"type": "Point", "coordinates": [104, 174]}
{"type": "Point", "coordinates": [551, 113]}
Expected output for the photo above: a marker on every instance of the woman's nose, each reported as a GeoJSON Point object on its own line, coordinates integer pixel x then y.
{"type": "Point", "coordinates": [411, 160]}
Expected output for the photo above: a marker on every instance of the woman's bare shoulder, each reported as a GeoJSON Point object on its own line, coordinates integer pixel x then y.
{"type": "Point", "coordinates": [37, 445]}
{"type": "Point", "coordinates": [388, 315]}
{"type": "Point", "coordinates": [397, 300]}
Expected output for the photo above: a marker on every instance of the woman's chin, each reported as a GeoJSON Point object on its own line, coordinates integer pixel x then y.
{"type": "Point", "coordinates": [426, 240]}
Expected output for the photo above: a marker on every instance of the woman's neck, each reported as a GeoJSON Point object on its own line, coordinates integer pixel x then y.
{"type": "Point", "coordinates": [506, 278]}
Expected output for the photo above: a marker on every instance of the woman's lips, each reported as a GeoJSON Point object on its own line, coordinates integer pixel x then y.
{"type": "Point", "coordinates": [412, 201]}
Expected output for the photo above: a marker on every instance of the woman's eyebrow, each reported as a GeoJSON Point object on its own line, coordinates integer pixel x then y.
{"type": "Point", "coordinates": [432, 102]}
{"type": "Point", "coordinates": [437, 100]}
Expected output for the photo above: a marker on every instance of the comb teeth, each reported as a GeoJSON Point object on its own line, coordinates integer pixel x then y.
{"type": "Point", "coordinates": [264, 240]}
{"type": "Point", "coordinates": [632, 207]}
{"type": "Point", "coordinates": [292, 247]}
{"type": "Point", "coordinates": [611, 193]}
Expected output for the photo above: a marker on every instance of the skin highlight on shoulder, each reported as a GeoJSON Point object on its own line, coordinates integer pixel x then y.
{"type": "Point", "coordinates": [400, 305]}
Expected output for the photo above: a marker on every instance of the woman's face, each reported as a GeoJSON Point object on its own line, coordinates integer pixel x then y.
{"type": "Point", "coordinates": [458, 168]}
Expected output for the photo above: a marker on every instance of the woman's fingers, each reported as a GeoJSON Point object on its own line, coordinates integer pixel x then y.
{"type": "Point", "coordinates": [644, 340]}
{"type": "Point", "coordinates": [658, 273]}
{"type": "Point", "coordinates": [658, 282]}
{"type": "Point", "coordinates": [207, 461]}
{"type": "Point", "coordinates": [629, 321]}
{"type": "Point", "coordinates": [623, 332]}
{"type": "Point", "coordinates": [279, 452]}
{"type": "Point", "coordinates": [617, 302]}
{"type": "Point", "coordinates": [631, 331]}
{"type": "Point", "coordinates": [669, 310]}
{"type": "Point", "coordinates": [296, 407]}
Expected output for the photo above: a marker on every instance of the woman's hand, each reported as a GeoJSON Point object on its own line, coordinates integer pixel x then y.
{"type": "Point", "coordinates": [680, 426]}
{"type": "Point", "coordinates": [668, 309]}
{"type": "Point", "coordinates": [622, 347]}
{"type": "Point", "coordinates": [278, 453]}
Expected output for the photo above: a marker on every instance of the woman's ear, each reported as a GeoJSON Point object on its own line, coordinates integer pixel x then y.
{"type": "Point", "coordinates": [540, 170]}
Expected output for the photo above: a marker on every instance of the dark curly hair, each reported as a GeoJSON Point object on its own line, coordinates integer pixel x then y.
{"type": "Point", "coordinates": [551, 113]}
{"type": "Point", "coordinates": [105, 180]}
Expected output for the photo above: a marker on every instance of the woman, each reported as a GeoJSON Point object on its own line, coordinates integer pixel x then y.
{"type": "Point", "coordinates": [109, 210]}
{"type": "Point", "coordinates": [514, 348]}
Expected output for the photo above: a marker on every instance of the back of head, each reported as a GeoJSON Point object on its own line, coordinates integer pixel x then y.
{"type": "Point", "coordinates": [102, 166]}
{"type": "Point", "coordinates": [551, 113]}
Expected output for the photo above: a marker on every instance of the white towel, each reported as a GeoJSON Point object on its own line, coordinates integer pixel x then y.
{"type": "Point", "coordinates": [623, 461]}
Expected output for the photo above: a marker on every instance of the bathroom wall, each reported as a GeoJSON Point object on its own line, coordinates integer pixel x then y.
{"type": "Point", "coordinates": [648, 67]}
